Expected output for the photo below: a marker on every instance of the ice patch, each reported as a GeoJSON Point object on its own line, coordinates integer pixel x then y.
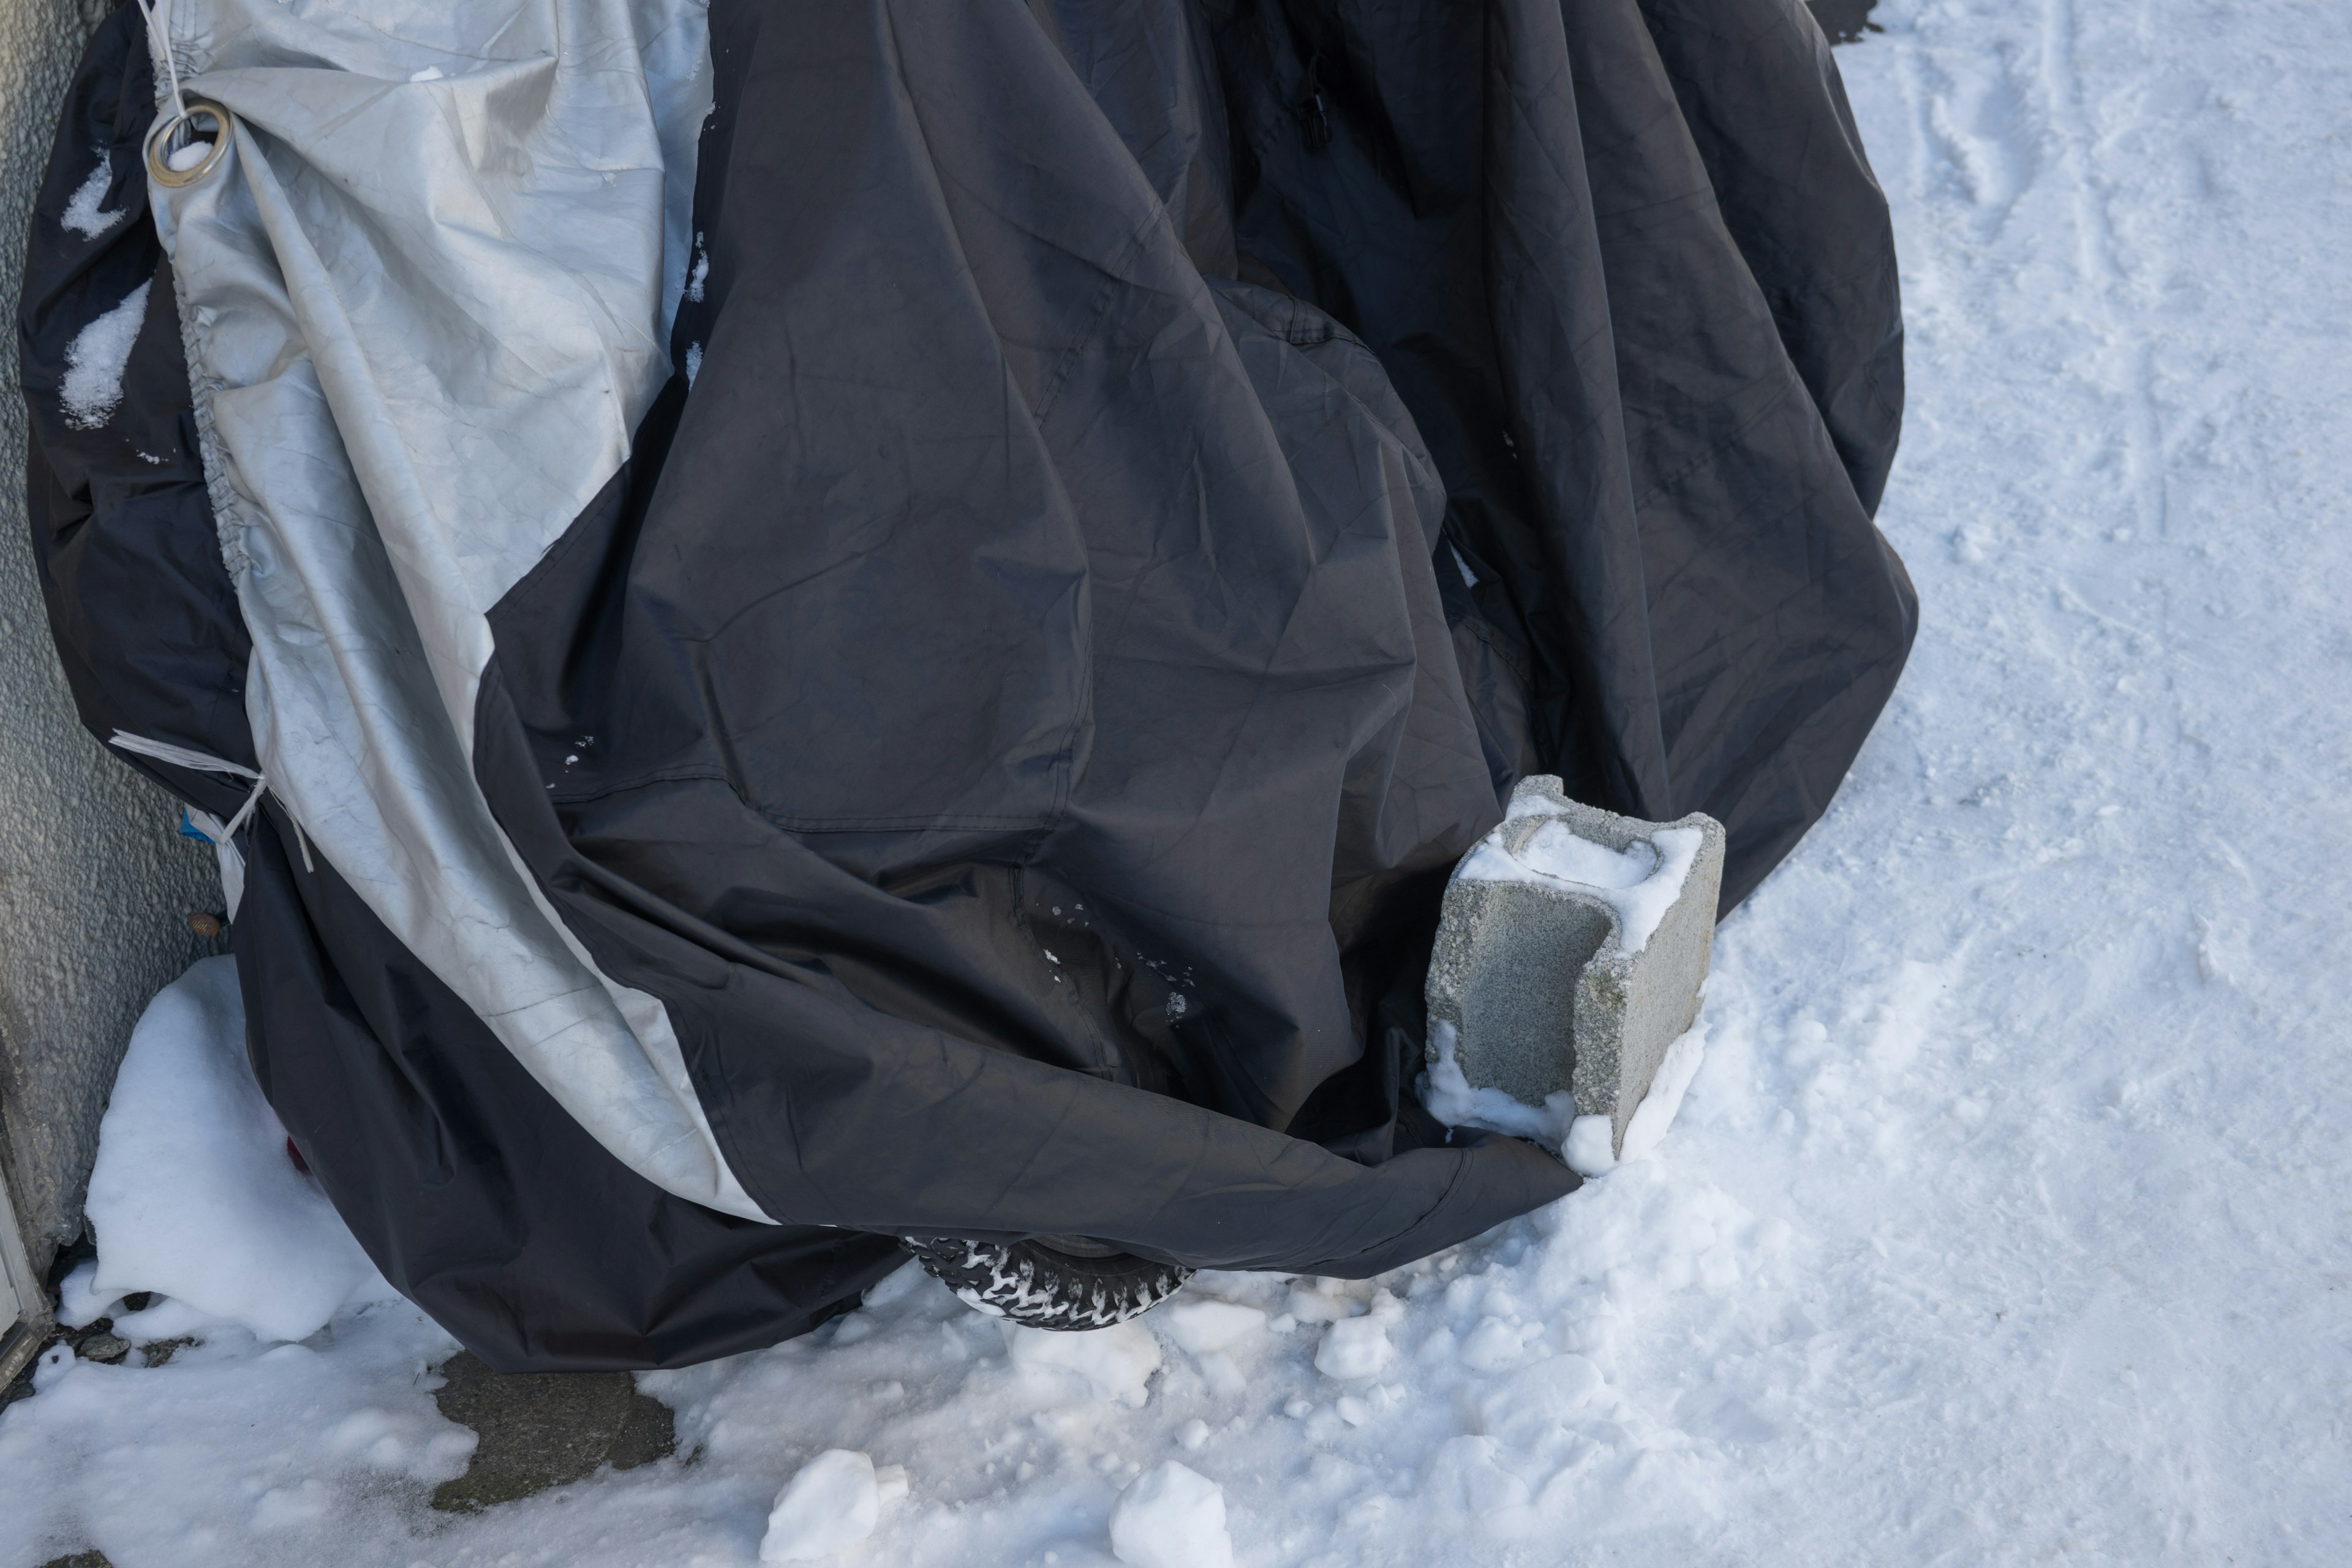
{"type": "Point", "coordinates": [1640, 883]}
{"type": "Point", "coordinates": [832, 1504]}
{"type": "Point", "coordinates": [82, 214]}
{"type": "Point", "coordinates": [183, 159]}
{"type": "Point", "coordinates": [193, 1195]}
{"type": "Point", "coordinates": [430, 73]}
{"type": "Point", "coordinates": [92, 389]}
{"type": "Point", "coordinates": [1171, 1517]}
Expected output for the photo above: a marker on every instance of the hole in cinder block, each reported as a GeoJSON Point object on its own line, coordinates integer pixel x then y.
{"type": "Point", "coordinates": [1518, 1001]}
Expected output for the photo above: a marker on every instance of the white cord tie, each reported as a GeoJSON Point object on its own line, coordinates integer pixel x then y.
{"type": "Point", "coordinates": [220, 835]}
{"type": "Point", "coordinates": [163, 48]}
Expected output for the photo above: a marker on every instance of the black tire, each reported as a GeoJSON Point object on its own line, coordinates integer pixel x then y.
{"type": "Point", "coordinates": [1045, 1288]}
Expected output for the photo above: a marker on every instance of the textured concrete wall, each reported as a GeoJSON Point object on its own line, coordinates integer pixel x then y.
{"type": "Point", "coordinates": [95, 885]}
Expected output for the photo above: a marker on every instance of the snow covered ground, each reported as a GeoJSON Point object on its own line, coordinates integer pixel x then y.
{"type": "Point", "coordinates": [2006, 1219]}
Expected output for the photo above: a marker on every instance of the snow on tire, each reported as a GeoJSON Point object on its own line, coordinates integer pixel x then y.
{"type": "Point", "coordinates": [1031, 1283]}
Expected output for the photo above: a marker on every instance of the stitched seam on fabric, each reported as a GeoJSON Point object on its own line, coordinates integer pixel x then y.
{"type": "Point", "coordinates": [228, 523]}
{"type": "Point", "coordinates": [230, 518]}
{"type": "Point", "coordinates": [1052, 391]}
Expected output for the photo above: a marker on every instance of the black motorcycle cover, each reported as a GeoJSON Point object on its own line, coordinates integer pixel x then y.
{"type": "Point", "coordinates": [1138, 484]}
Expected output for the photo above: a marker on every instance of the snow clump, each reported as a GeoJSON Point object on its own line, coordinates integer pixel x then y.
{"type": "Point", "coordinates": [194, 1196]}
{"type": "Point", "coordinates": [1358, 1348]}
{"type": "Point", "coordinates": [832, 1504]}
{"type": "Point", "coordinates": [1171, 1517]}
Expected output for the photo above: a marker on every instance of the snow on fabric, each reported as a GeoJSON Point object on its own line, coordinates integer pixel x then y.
{"type": "Point", "coordinates": [83, 212]}
{"type": "Point", "coordinates": [2003, 1219]}
{"type": "Point", "coordinates": [194, 1195]}
{"type": "Point", "coordinates": [94, 363]}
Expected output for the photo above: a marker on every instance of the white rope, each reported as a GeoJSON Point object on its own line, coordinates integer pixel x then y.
{"type": "Point", "coordinates": [163, 48]}
{"type": "Point", "coordinates": [204, 763]}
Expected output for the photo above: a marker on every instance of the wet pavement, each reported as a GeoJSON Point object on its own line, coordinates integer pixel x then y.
{"type": "Point", "coordinates": [543, 1429]}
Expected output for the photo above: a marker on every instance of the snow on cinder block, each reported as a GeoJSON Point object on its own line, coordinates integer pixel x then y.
{"type": "Point", "coordinates": [1569, 958]}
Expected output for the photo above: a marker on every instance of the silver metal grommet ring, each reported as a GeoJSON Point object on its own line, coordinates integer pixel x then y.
{"type": "Point", "coordinates": [169, 143]}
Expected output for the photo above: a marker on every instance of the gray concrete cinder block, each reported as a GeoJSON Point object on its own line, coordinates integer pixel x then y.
{"type": "Point", "coordinates": [1532, 982]}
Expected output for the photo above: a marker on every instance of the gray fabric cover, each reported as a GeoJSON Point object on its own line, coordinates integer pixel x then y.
{"type": "Point", "coordinates": [423, 318]}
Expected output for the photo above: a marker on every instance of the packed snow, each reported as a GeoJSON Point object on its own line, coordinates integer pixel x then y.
{"type": "Point", "coordinates": [2003, 1219]}
{"type": "Point", "coordinates": [96, 358]}
{"type": "Point", "coordinates": [194, 1190]}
